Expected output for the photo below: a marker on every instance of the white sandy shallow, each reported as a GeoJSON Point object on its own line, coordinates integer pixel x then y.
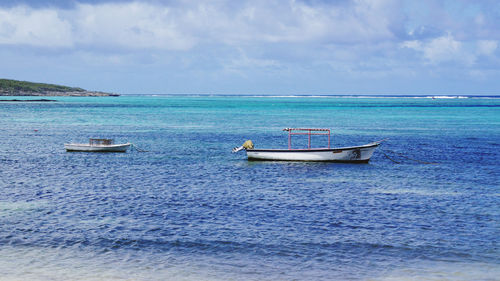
{"type": "Point", "coordinates": [34, 263]}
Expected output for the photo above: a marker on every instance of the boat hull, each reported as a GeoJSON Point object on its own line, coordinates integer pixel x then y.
{"type": "Point", "coordinates": [353, 154]}
{"type": "Point", "coordinates": [74, 147]}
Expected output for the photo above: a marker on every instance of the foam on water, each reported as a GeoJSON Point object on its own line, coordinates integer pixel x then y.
{"type": "Point", "coordinates": [441, 271]}
{"type": "Point", "coordinates": [32, 263]}
{"type": "Point", "coordinates": [15, 208]}
{"type": "Point", "coordinates": [422, 192]}
{"type": "Point", "coordinates": [35, 263]}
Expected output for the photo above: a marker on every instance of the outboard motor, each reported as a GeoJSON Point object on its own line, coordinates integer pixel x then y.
{"type": "Point", "coordinates": [246, 145]}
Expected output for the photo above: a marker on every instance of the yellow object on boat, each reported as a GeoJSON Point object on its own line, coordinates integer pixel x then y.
{"type": "Point", "coordinates": [248, 144]}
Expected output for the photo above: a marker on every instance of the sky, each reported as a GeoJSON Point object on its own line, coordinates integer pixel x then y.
{"type": "Point", "coordinates": [255, 47]}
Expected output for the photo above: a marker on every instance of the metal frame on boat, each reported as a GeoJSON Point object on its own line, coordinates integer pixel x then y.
{"type": "Point", "coordinates": [97, 145]}
{"type": "Point", "coordinates": [351, 154]}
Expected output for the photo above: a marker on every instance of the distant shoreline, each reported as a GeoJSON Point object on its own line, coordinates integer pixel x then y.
{"type": "Point", "coordinates": [31, 89]}
{"type": "Point", "coordinates": [60, 94]}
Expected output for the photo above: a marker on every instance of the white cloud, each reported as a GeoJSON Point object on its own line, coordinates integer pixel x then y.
{"type": "Point", "coordinates": [446, 49]}
{"type": "Point", "coordinates": [414, 44]}
{"type": "Point", "coordinates": [186, 24]}
{"type": "Point", "coordinates": [130, 25]}
{"type": "Point", "coordinates": [443, 48]}
{"type": "Point", "coordinates": [486, 47]}
{"type": "Point", "coordinates": [243, 61]}
{"type": "Point", "coordinates": [440, 49]}
{"type": "Point", "coordinates": [44, 27]}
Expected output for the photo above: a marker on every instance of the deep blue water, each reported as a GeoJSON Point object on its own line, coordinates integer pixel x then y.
{"type": "Point", "coordinates": [189, 209]}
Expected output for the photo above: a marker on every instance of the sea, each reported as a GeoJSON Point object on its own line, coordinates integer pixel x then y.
{"type": "Point", "coordinates": [180, 206]}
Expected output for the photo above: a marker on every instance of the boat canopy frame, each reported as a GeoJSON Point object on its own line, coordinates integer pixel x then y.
{"type": "Point", "coordinates": [101, 141]}
{"type": "Point", "coordinates": [306, 131]}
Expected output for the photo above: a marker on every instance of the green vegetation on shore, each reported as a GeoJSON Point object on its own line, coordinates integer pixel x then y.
{"type": "Point", "coordinates": [24, 88]}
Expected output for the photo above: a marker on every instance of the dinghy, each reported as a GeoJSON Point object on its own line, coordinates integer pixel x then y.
{"type": "Point", "coordinates": [351, 154]}
{"type": "Point", "coordinates": [97, 145]}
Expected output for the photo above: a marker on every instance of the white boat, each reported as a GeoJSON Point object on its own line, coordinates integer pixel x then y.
{"type": "Point", "coordinates": [97, 145]}
{"type": "Point", "coordinates": [351, 154]}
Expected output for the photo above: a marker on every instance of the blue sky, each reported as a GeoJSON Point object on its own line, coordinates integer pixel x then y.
{"type": "Point", "coordinates": [284, 47]}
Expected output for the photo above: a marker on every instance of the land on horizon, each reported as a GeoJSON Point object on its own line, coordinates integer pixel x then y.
{"type": "Point", "coordinates": [24, 88]}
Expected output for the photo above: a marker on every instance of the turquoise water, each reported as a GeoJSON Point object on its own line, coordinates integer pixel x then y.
{"type": "Point", "coordinates": [189, 209]}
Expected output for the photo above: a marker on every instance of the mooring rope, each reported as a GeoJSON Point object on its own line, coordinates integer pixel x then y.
{"type": "Point", "coordinates": [390, 158]}
{"type": "Point", "coordinates": [404, 156]}
{"type": "Point", "coordinates": [138, 149]}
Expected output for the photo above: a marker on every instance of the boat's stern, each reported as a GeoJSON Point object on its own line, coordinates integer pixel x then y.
{"type": "Point", "coordinates": [360, 154]}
